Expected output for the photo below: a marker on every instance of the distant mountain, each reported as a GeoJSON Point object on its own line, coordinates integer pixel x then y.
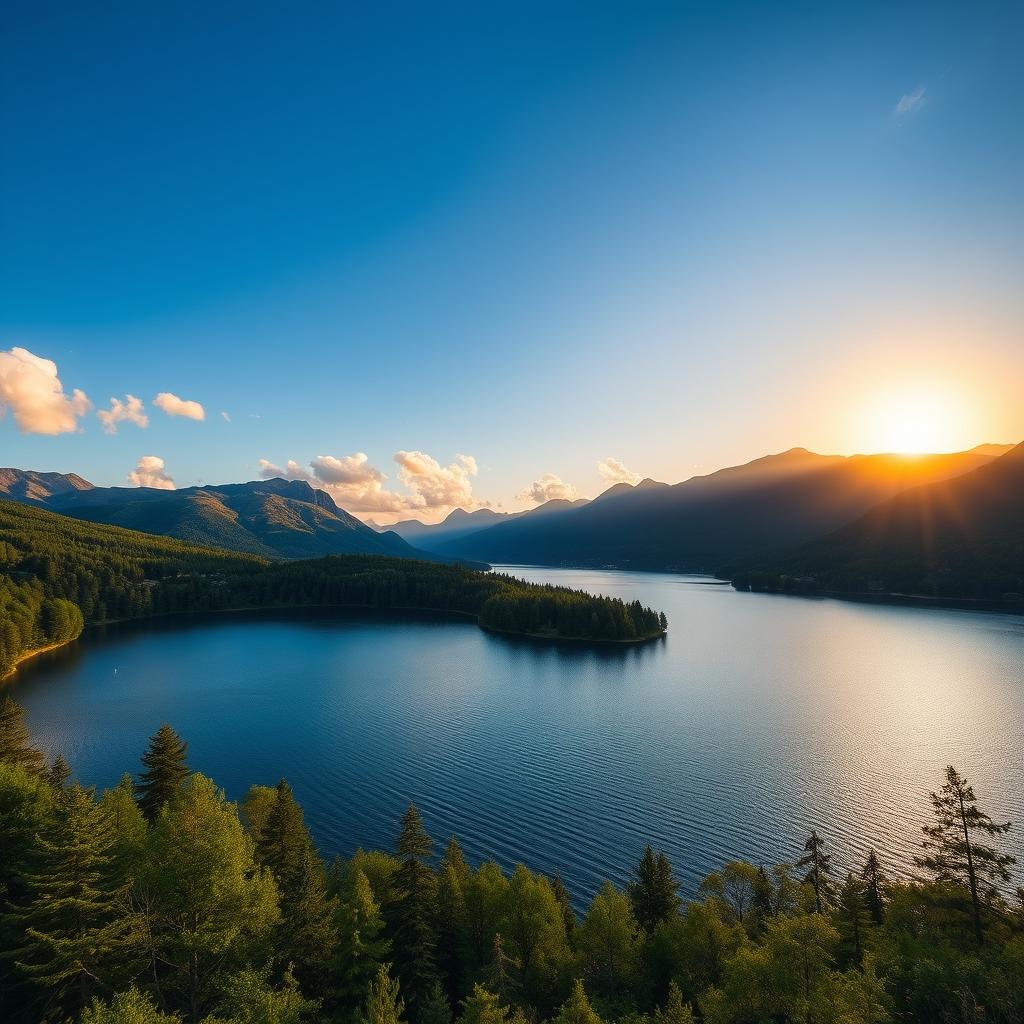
{"type": "Point", "coordinates": [274, 518]}
{"type": "Point", "coordinates": [958, 538]}
{"type": "Point", "coordinates": [37, 488]}
{"type": "Point", "coordinates": [771, 503]}
{"type": "Point", "coordinates": [458, 523]}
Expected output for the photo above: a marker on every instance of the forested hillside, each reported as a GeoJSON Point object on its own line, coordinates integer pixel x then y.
{"type": "Point", "coordinates": [958, 539]}
{"type": "Point", "coordinates": [57, 574]}
{"type": "Point", "coordinates": [160, 902]}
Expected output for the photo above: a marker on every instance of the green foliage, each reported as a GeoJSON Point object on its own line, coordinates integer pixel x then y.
{"type": "Point", "coordinates": [165, 771]}
{"type": "Point", "coordinates": [15, 748]}
{"type": "Point", "coordinates": [608, 941]}
{"type": "Point", "coordinates": [818, 865]}
{"type": "Point", "coordinates": [129, 1007]}
{"type": "Point", "coordinates": [383, 1003]}
{"type": "Point", "coordinates": [654, 892]}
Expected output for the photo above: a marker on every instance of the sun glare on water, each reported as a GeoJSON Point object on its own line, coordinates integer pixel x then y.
{"type": "Point", "coordinates": [913, 422]}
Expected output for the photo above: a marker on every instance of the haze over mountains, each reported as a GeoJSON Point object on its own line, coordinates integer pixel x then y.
{"type": "Point", "coordinates": [772, 503]}
{"type": "Point", "coordinates": [794, 512]}
{"type": "Point", "coordinates": [274, 518]}
{"type": "Point", "coordinates": [957, 537]}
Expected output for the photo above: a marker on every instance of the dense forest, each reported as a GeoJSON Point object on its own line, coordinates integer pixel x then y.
{"type": "Point", "coordinates": [59, 574]}
{"type": "Point", "coordinates": [160, 902]}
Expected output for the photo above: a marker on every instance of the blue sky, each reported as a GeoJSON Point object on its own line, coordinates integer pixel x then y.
{"type": "Point", "coordinates": [677, 236]}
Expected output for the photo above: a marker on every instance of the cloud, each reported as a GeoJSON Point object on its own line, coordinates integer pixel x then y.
{"type": "Point", "coordinates": [547, 488]}
{"type": "Point", "coordinates": [291, 471]}
{"type": "Point", "coordinates": [149, 472]}
{"type": "Point", "coordinates": [358, 486]}
{"type": "Point", "coordinates": [911, 102]}
{"type": "Point", "coordinates": [614, 472]}
{"type": "Point", "coordinates": [131, 410]}
{"type": "Point", "coordinates": [175, 406]}
{"type": "Point", "coordinates": [225, 417]}
{"type": "Point", "coordinates": [31, 389]}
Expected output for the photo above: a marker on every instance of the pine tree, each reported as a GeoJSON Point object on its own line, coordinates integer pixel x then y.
{"type": "Point", "coordinates": [565, 902]}
{"type": "Point", "coordinates": [609, 941]}
{"type": "Point", "coordinates": [503, 975]}
{"type": "Point", "coordinates": [654, 893]}
{"type": "Point", "coordinates": [361, 946]}
{"type": "Point", "coordinates": [675, 1010]}
{"type": "Point", "coordinates": [874, 885]}
{"type": "Point", "coordinates": [451, 914]}
{"type": "Point", "coordinates": [763, 904]}
{"type": "Point", "coordinates": [851, 919]}
{"type": "Point", "coordinates": [165, 771]}
{"type": "Point", "coordinates": [383, 1003]}
{"type": "Point", "coordinates": [412, 913]}
{"type": "Point", "coordinates": [58, 773]}
{"type": "Point", "coordinates": [577, 1009]}
{"type": "Point", "coordinates": [953, 856]}
{"type": "Point", "coordinates": [436, 1009]}
{"type": "Point", "coordinates": [817, 862]}
{"type": "Point", "coordinates": [308, 931]}
{"type": "Point", "coordinates": [14, 745]}
{"type": "Point", "coordinates": [483, 1007]}
{"type": "Point", "coordinates": [76, 925]}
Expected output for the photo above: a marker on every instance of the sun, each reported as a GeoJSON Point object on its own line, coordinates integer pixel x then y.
{"type": "Point", "coordinates": [917, 420]}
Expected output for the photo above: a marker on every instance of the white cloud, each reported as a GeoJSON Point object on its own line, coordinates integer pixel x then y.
{"type": "Point", "coordinates": [357, 486]}
{"type": "Point", "coordinates": [225, 417]}
{"type": "Point", "coordinates": [547, 488]}
{"type": "Point", "coordinates": [911, 102]}
{"type": "Point", "coordinates": [614, 472]}
{"type": "Point", "coordinates": [31, 389]}
{"type": "Point", "coordinates": [149, 472]}
{"type": "Point", "coordinates": [291, 471]}
{"type": "Point", "coordinates": [131, 410]}
{"type": "Point", "coordinates": [175, 406]}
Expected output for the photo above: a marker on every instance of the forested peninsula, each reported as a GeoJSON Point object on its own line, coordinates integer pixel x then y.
{"type": "Point", "coordinates": [58, 575]}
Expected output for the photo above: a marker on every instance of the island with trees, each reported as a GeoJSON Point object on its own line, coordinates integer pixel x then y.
{"type": "Point", "coordinates": [59, 574]}
{"type": "Point", "coordinates": [161, 902]}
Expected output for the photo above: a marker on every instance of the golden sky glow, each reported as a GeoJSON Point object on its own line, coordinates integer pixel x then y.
{"type": "Point", "coordinates": [918, 417]}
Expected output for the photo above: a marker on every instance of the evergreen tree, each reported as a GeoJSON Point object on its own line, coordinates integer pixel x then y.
{"type": "Point", "coordinates": [817, 862]}
{"type": "Point", "coordinates": [165, 771]}
{"type": "Point", "coordinates": [436, 1009]}
{"type": "Point", "coordinates": [675, 1010]}
{"type": "Point", "coordinates": [874, 886]}
{"type": "Point", "coordinates": [76, 926]}
{"type": "Point", "coordinates": [249, 998]}
{"type": "Point", "coordinates": [608, 940]}
{"type": "Point", "coordinates": [764, 898]}
{"type": "Point", "coordinates": [577, 1009]}
{"type": "Point", "coordinates": [565, 902]}
{"type": "Point", "coordinates": [851, 919]}
{"type": "Point", "coordinates": [383, 1003]}
{"type": "Point", "coordinates": [361, 946]}
{"type": "Point", "coordinates": [58, 774]}
{"type": "Point", "coordinates": [452, 876]}
{"type": "Point", "coordinates": [483, 1007]}
{"type": "Point", "coordinates": [503, 976]}
{"type": "Point", "coordinates": [412, 913]}
{"type": "Point", "coordinates": [952, 855]}
{"type": "Point", "coordinates": [130, 1007]}
{"type": "Point", "coordinates": [654, 891]}
{"type": "Point", "coordinates": [14, 744]}
{"type": "Point", "coordinates": [308, 932]}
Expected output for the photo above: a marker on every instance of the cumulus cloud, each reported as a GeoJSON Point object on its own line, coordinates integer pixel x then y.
{"type": "Point", "coordinates": [614, 472]}
{"type": "Point", "coordinates": [911, 102]}
{"type": "Point", "coordinates": [358, 486]}
{"type": "Point", "coordinates": [150, 472]}
{"type": "Point", "coordinates": [175, 406]}
{"type": "Point", "coordinates": [31, 389]}
{"type": "Point", "coordinates": [547, 488]}
{"type": "Point", "coordinates": [131, 410]}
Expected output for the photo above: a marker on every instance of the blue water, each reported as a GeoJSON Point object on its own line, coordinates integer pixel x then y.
{"type": "Point", "coordinates": [756, 719]}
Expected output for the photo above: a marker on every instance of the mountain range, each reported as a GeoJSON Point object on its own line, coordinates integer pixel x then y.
{"type": "Point", "coordinates": [961, 537]}
{"type": "Point", "coordinates": [773, 503]}
{"type": "Point", "coordinates": [274, 518]}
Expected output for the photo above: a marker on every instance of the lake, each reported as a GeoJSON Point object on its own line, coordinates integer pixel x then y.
{"type": "Point", "coordinates": [757, 718]}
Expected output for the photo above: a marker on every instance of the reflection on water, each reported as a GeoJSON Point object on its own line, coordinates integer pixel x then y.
{"type": "Point", "coordinates": [756, 719]}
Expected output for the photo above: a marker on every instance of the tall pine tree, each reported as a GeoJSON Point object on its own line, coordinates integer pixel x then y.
{"type": "Point", "coordinates": [165, 771]}
{"type": "Point", "coordinates": [654, 890]}
{"type": "Point", "coordinates": [874, 885]}
{"type": "Point", "coordinates": [817, 862]}
{"type": "Point", "coordinates": [412, 913]}
{"type": "Point", "coordinates": [954, 852]}
{"type": "Point", "coordinates": [14, 745]}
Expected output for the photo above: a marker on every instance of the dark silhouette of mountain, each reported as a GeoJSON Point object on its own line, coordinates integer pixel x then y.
{"type": "Point", "coordinates": [771, 503]}
{"type": "Point", "coordinates": [458, 523]}
{"type": "Point", "coordinates": [32, 488]}
{"type": "Point", "coordinates": [955, 538]}
{"type": "Point", "coordinates": [274, 518]}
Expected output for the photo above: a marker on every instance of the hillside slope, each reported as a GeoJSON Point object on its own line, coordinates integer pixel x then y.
{"type": "Point", "coordinates": [956, 538]}
{"type": "Point", "coordinates": [771, 503]}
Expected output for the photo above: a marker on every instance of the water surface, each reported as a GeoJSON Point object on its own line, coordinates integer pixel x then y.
{"type": "Point", "coordinates": [757, 718]}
